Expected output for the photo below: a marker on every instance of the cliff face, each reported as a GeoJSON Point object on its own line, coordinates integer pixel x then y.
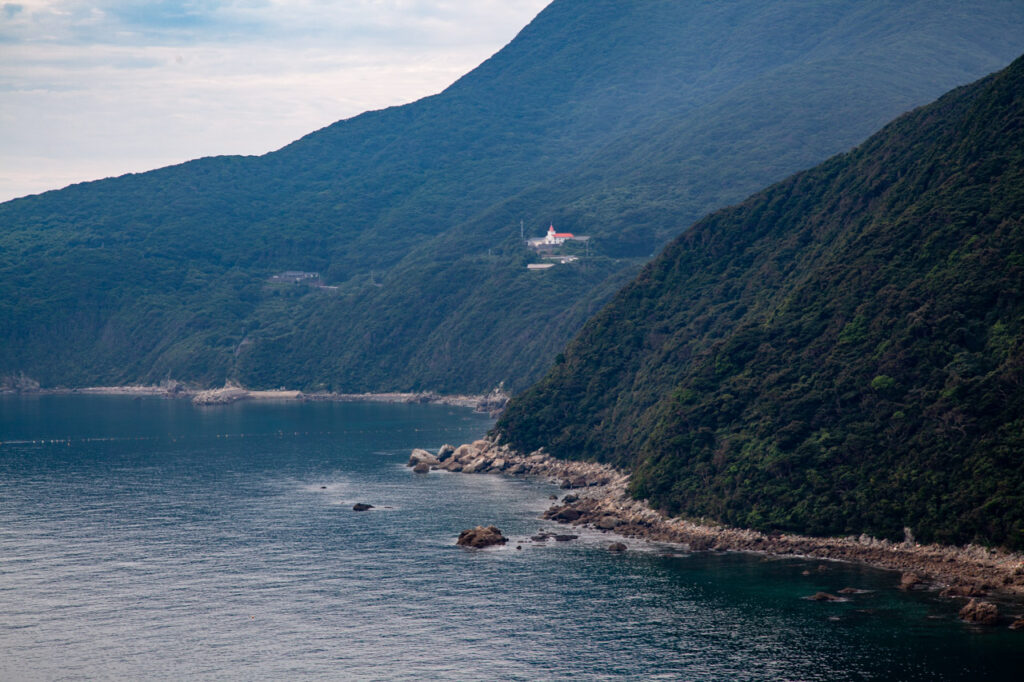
{"type": "Point", "coordinates": [626, 121]}
{"type": "Point", "coordinates": [841, 353]}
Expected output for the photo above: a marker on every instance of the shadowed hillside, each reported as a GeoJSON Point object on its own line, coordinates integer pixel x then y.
{"type": "Point", "coordinates": [841, 353]}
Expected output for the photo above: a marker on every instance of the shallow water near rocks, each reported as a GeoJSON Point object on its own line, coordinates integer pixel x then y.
{"type": "Point", "coordinates": [150, 539]}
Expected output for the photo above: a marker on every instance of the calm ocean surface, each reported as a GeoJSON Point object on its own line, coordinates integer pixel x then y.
{"type": "Point", "coordinates": [150, 539]}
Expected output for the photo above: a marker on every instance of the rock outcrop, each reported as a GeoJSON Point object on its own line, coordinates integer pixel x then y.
{"type": "Point", "coordinates": [230, 393]}
{"type": "Point", "coordinates": [480, 537]}
{"type": "Point", "coordinates": [962, 590]}
{"type": "Point", "coordinates": [980, 613]}
{"type": "Point", "coordinates": [909, 580]}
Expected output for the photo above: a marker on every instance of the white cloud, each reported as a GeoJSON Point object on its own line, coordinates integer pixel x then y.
{"type": "Point", "coordinates": [92, 89]}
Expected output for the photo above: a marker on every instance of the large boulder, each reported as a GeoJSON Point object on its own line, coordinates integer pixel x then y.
{"type": "Point", "coordinates": [465, 454]}
{"type": "Point", "coordinates": [980, 612]}
{"type": "Point", "coordinates": [421, 468]}
{"type": "Point", "coordinates": [420, 456]}
{"type": "Point", "coordinates": [477, 465]}
{"type": "Point", "coordinates": [481, 536]}
{"type": "Point", "coordinates": [445, 451]}
{"type": "Point", "coordinates": [362, 506]}
{"type": "Point", "coordinates": [566, 514]}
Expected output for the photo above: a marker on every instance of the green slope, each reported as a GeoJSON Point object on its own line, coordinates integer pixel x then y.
{"type": "Point", "coordinates": [841, 353]}
{"type": "Point", "coordinates": [625, 121]}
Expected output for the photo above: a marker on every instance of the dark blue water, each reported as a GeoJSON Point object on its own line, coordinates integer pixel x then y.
{"type": "Point", "coordinates": [148, 539]}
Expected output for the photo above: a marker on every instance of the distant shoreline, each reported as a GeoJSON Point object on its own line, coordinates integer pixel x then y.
{"type": "Point", "coordinates": [491, 403]}
{"type": "Point", "coordinates": [597, 496]}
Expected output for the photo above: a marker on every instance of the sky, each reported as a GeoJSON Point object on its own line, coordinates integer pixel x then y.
{"type": "Point", "coordinates": [94, 89]}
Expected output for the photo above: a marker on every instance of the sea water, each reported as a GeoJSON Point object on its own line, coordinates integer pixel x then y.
{"type": "Point", "coordinates": [152, 539]}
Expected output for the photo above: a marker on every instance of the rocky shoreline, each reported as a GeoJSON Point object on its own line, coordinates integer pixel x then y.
{"type": "Point", "coordinates": [596, 496]}
{"type": "Point", "coordinates": [491, 403]}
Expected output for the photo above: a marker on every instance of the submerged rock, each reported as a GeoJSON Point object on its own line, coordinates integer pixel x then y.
{"type": "Point", "coordinates": [481, 536]}
{"type": "Point", "coordinates": [617, 547]}
{"type": "Point", "coordinates": [421, 468]}
{"type": "Point", "coordinates": [979, 612]}
{"type": "Point", "coordinates": [1017, 624]}
{"type": "Point", "coordinates": [824, 596]}
{"type": "Point", "coordinates": [565, 538]}
{"type": "Point", "coordinates": [359, 506]}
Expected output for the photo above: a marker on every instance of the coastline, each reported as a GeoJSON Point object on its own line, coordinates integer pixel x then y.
{"type": "Point", "coordinates": [597, 497]}
{"type": "Point", "coordinates": [230, 393]}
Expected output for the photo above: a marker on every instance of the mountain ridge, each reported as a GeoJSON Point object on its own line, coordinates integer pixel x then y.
{"type": "Point", "coordinates": [622, 121]}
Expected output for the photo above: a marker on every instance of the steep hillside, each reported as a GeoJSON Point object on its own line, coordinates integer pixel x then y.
{"type": "Point", "coordinates": [624, 121]}
{"type": "Point", "coordinates": [841, 353]}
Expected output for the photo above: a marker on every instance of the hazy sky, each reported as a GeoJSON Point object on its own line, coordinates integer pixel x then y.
{"type": "Point", "coordinates": [93, 89]}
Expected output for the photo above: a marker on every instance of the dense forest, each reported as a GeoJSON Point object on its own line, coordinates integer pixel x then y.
{"type": "Point", "coordinates": [841, 353]}
{"type": "Point", "coordinates": [625, 121]}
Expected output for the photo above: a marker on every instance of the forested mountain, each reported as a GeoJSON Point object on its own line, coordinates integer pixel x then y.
{"type": "Point", "coordinates": [841, 353]}
{"type": "Point", "coordinates": [625, 121]}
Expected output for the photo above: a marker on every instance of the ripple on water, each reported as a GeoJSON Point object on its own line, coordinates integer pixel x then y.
{"type": "Point", "coordinates": [201, 555]}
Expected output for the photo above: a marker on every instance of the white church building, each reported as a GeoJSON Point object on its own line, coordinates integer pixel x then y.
{"type": "Point", "coordinates": [552, 238]}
